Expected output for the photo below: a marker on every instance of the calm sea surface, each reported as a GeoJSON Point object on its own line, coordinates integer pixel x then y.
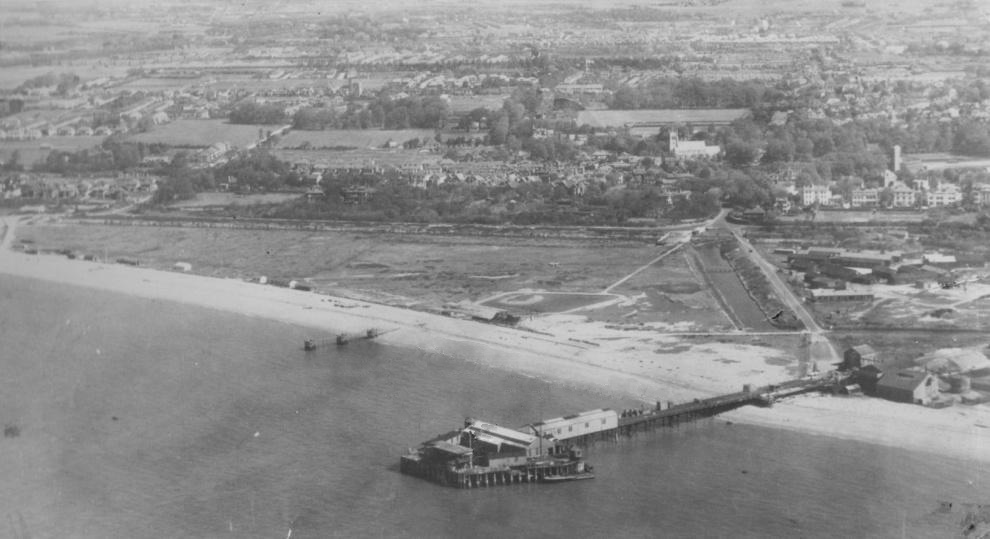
{"type": "Point", "coordinates": [151, 419]}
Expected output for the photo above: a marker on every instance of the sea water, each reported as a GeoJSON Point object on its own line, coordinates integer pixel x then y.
{"type": "Point", "coordinates": [142, 418]}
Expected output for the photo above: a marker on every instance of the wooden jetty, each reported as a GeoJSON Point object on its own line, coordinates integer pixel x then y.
{"type": "Point", "coordinates": [343, 338]}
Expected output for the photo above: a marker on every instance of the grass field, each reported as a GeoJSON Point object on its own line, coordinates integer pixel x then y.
{"type": "Point", "coordinates": [467, 103]}
{"type": "Point", "coordinates": [351, 158]}
{"type": "Point", "coordinates": [399, 269]}
{"type": "Point", "coordinates": [201, 134]}
{"type": "Point", "coordinates": [205, 199]}
{"type": "Point", "coordinates": [33, 151]}
{"type": "Point", "coordinates": [667, 293]}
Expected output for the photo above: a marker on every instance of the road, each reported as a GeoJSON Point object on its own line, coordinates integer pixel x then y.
{"type": "Point", "coordinates": [820, 349]}
{"type": "Point", "coordinates": [9, 224]}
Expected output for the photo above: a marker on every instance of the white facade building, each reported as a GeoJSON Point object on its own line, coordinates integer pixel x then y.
{"type": "Point", "coordinates": [816, 194]}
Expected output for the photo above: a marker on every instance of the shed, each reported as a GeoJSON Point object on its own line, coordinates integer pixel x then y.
{"type": "Point", "coordinates": [908, 386]}
{"type": "Point", "coordinates": [183, 266]}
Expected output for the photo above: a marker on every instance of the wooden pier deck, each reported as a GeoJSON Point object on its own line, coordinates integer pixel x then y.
{"type": "Point", "coordinates": [633, 421]}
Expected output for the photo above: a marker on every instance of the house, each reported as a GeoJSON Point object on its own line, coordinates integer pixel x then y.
{"type": "Point", "coordinates": [782, 204]}
{"type": "Point", "coordinates": [916, 387]}
{"type": "Point", "coordinates": [865, 197]}
{"type": "Point", "coordinates": [938, 258]}
{"type": "Point", "coordinates": [903, 196]}
{"type": "Point", "coordinates": [944, 195]}
{"type": "Point", "coordinates": [816, 194]}
{"type": "Point", "coordinates": [981, 194]}
{"type": "Point", "coordinates": [858, 356]}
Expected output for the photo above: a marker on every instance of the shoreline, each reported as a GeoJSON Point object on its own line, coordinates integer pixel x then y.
{"type": "Point", "coordinates": [612, 365]}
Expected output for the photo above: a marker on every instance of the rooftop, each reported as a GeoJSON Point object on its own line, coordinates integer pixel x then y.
{"type": "Point", "coordinates": [619, 118]}
{"type": "Point", "coordinates": [908, 380]}
{"type": "Point", "coordinates": [490, 432]}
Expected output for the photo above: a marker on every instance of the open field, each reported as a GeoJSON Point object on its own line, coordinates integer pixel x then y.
{"type": "Point", "coordinates": [201, 134]}
{"type": "Point", "coordinates": [13, 76]}
{"type": "Point", "coordinates": [352, 138]}
{"type": "Point", "coordinates": [406, 269]}
{"type": "Point", "coordinates": [467, 103]}
{"type": "Point", "coordinates": [547, 302]}
{"type": "Point", "coordinates": [159, 84]}
{"type": "Point", "coordinates": [33, 151]}
{"type": "Point", "coordinates": [523, 276]}
{"type": "Point", "coordinates": [904, 306]}
{"type": "Point", "coordinates": [357, 158]}
{"type": "Point", "coordinates": [215, 198]}
{"type": "Point", "coordinates": [668, 295]}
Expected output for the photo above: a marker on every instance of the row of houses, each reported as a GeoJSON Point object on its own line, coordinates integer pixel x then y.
{"type": "Point", "coordinates": [55, 188]}
{"type": "Point", "coordinates": [901, 196]}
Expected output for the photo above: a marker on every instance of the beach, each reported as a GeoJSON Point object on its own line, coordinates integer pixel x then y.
{"type": "Point", "coordinates": [563, 349]}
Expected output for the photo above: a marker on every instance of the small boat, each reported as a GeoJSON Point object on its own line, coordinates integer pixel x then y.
{"type": "Point", "coordinates": [563, 478]}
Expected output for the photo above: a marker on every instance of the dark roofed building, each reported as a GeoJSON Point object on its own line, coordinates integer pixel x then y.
{"type": "Point", "coordinates": [908, 386]}
{"type": "Point", "coordinates": [858, 356]}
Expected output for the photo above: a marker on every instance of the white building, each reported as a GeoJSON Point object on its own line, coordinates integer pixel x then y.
{"type": "Point", "coordinates": [981, 194]}
{"type": "Point", "coordinates": [944, 195]}
{"type": "Point", "coordinates": [865, 197]}
{"type": "Point", "coordinates": [904, 196]}
{"type": "Point", "coordinates": [816, 194]}
{"type": "Point", "coordinates": [691, 148]}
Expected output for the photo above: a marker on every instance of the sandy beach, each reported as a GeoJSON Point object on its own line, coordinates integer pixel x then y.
{"type": "Point", "coordinates": [567, 349]}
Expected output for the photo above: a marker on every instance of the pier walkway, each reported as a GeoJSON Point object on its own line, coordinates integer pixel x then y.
{"type": "Point", "coordinates": [674, 414]}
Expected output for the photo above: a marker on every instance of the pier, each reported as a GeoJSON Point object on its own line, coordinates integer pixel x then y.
{"type": "Point", "coordinates": [639, 420]}
{"type": "Point", "coordinates": [483, 454]}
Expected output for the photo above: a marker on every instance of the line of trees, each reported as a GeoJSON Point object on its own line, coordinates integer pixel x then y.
{"type": "Point", "coordinates": [383, 112]}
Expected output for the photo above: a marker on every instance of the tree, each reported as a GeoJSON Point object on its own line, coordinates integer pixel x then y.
{"type": "Point", "coordinates": [778, 150]}
{"type": "Point", "coordinates": [972, 138]}
{"type": "Point", "coordinates": [254, 113]}
{"type": "Point", "coordinates": [741, 154]}
{"type": "Point", "coordinates": [500, 130]}
{"type": "Point", "coordinates": [886, 198]}
{"type": "Point", "coordinates": [13, 164]}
